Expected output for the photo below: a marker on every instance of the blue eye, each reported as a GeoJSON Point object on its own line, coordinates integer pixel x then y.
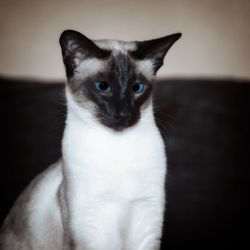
{"type": "Point", "coordinates": [102, 86]}
{"type": "Point", "coordinates": [137, 88]}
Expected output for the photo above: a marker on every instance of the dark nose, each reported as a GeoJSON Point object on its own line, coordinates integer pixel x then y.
{"type": "Point", "coordinates": [123, 111]}
{"type": "Point", "coordinates": [124, 115]}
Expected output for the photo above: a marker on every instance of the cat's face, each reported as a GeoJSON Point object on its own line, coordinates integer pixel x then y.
{"type": "Point", "coordinates": [113, 79]}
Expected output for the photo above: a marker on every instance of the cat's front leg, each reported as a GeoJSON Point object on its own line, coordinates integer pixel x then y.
{"type": "Point", "coordinates": [68, 239]}
{"type": "Point", "coordinates": [145, 226]}
{"type": "Point", "coordinates": [87, 225]}
{"type": "Point", "coordinates": [98, 225]}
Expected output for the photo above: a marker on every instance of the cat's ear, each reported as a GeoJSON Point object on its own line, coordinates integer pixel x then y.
{"type": "Point", "coordinates": [155, 49]}
{"type": "Point", "coordinates": [77, 47]}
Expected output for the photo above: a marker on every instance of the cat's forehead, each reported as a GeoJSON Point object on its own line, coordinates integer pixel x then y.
{"type": "Point", "coordinates": [116, 45]}
{"type": "Point", "coordinates": [120, 57]}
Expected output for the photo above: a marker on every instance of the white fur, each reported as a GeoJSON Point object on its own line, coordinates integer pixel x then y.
{"type": "Point", "coordinates": [88, 67]}
{"type": "Point", "coordinates": [44, 211]}
{"type": "Point", "coordinates": [147, 67]}
{"type": "Point", "coordinates": [116, 181]}
{"type": "Point", "coordinates": [116, 45]}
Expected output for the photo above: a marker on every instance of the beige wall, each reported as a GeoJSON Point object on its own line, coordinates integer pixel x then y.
{"type": "Point", "coordinates": [215, 42]}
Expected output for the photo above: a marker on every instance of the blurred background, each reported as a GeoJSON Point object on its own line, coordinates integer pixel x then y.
{"type": "Point", "coordinates": [215, 42]}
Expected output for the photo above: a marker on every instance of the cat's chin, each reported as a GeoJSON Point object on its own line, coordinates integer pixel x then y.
{"type": "Point", "coordinates": [118, 125]}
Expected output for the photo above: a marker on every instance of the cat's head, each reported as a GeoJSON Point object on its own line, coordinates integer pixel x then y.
{"type": "Point", "coordinates": [113, 79]}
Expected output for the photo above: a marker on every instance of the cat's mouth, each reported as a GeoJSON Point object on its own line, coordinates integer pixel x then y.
{"type": "Point", "coordinates": [118, 123]}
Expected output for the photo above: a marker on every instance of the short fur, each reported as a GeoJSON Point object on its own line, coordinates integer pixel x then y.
{"type": "Point", "coordinates": [107, 191]}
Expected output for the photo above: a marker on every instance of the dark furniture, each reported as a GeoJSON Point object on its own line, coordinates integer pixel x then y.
{"type": "Point", "coordinates": [206, 127]}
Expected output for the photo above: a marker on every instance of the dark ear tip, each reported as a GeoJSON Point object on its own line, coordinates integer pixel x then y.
{"type": "Point", "coordinates": [68, 35]}
{"type": "Point", "coordinates": [177, 35]}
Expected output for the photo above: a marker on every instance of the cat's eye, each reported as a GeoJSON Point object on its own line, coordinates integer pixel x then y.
{"type": "Point", "coordinates": [102, 86]}
{"type": "Point", "coordinates": [137, 88]}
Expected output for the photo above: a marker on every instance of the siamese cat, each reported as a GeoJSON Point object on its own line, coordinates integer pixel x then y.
{"type": "Point", "coordinates": [107, 191]}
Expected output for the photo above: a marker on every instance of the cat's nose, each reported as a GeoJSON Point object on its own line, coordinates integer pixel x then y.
{"type": "Point", "coordinates": [124, 115]}
{"type": "Point", "coordinates": [124, 111]}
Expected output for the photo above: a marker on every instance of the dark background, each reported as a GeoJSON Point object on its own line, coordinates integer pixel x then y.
{"type": "Point", "coordinates": [205, 125]}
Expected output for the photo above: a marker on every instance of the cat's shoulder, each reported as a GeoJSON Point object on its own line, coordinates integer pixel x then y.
{"type": "Point", "coordinates": [46, 183]}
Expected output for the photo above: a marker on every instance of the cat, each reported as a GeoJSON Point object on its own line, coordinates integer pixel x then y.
{"type": "Point", "coordinates": [107, 190]}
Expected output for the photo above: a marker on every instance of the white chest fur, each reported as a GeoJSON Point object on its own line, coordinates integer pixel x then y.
{"type": "Point", "coordinates": [116, 181]}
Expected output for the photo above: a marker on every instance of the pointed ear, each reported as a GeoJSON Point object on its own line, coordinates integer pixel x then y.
{"type": "Point", "coordinates": [155, 49]}
{"type": "Point", "coordinates": [77, 47]}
